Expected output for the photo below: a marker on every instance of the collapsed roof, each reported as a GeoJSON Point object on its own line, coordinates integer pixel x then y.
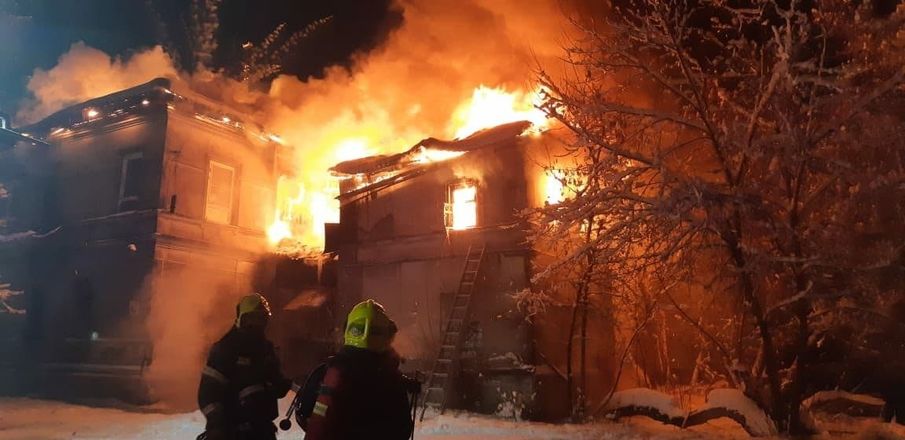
{"type": "Point", "coordinates": [478, 140]}
{"type": "Point", "coordinates": [373, 173]}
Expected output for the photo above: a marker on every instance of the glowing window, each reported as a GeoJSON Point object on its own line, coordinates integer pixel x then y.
{"type": "Point", "coordinates": [220, 188]}
{"type": "Point", "coordinates": [553, 187]}
{"type": "Point", "coordinates": [462, 209]}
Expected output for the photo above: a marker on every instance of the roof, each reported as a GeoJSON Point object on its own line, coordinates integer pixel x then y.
{"type": "Point", "coordinates": [9, 138]}
{"type": "Point", "coordinates": [158, 91]}
{"type": "Point", "coordinates": [73, 114]}
{"type": "Point", "coordinates": [476, 141]}
{"type": "Point", "coordinates": [374, 173]}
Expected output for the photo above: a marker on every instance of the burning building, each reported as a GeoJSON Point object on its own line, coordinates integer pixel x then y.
{"type": "Point", "coordinates": [157, 207]}
{"type": "Point", "coordinates": [434, 234]}
{"type": "Point", "coordinates": [158, 200]}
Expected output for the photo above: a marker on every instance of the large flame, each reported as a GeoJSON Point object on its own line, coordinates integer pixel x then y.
{"type": "Point", "coordinates": [307, 202]}
{"type": "Point", "coordinates": [489, 107]}
{"type": "Point", "coordinates": [429, 155]}
{"type": "Point", "coordinates": [553, 187]}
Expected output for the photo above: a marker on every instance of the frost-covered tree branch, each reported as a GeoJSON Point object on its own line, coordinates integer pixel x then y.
{"type": "Point", "coordinates": [749, 153]}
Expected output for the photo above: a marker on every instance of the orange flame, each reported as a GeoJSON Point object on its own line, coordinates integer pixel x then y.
{"type": "Point", "coordinates": [553, 187]}
{"type": "Point", "coordinates": [306, 203]}
{"type": "Point", "coordinates": [489, 107]}
{"type": "Point", "coordinates": [429, 155]}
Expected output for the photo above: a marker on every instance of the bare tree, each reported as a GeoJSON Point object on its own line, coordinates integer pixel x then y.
{"type": "Point", "coordinates": [264, 60]}
{"type": "Point", "coordinates": [753, 148]}
{"type": "Point", "coordinates": [6, 295]}
{"type": "Point", "coordinates": [197, 43]}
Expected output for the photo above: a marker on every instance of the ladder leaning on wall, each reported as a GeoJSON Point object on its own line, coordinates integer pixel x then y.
{"type": "Point", "coordinates": [440, 378]}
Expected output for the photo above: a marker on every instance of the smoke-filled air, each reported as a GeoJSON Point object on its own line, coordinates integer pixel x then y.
{"type": "Point", "coordinates": [430, 78]}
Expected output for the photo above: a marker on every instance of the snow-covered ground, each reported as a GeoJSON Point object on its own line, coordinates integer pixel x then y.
{"type": "Point", "coordinates": [24, 419]}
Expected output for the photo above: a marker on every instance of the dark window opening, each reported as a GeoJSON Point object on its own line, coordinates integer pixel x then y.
{"type": "Point", "coordinates": [134, 173]}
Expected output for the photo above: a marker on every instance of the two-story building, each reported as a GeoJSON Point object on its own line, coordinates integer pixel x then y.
{"type": "Point", "coordinates": [158, 200]}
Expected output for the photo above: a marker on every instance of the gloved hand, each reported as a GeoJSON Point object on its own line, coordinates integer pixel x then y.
{"type": "Point", "coordinates": [413, 386]}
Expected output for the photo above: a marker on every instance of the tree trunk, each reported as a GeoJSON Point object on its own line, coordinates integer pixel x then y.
{"type": "Point", "coordinates": [777, 410]}
{"type": "Point", "coordinates": [583, 392]}
{"type": "Point", "coordinates": [570, 382]}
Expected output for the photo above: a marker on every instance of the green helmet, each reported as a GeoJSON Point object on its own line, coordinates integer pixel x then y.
{"type": "Point", "coordinates": [369, 327]}
{"type": "Point", "coordinates": [254, 303]}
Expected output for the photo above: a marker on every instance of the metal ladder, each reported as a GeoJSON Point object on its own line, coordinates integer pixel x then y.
{"type": "Point", "coordinates": [441, 375]}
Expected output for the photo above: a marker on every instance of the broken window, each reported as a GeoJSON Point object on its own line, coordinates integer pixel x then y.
{"type": "Point", "coordinates": [461, 211]}
{"type": "Point", "coordinates": [131, 179]}
{"type": "Point", "coordinates": [220, 188]}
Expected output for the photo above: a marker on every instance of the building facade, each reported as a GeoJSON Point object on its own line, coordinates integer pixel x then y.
{"type": "Point", "coordinates": [407, 223]}
{"type": "Point", "coordinates": [155, 203]}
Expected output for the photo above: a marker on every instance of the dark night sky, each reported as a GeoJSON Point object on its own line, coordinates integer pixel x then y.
{"type": "Point", "coordinates": [34, 33]}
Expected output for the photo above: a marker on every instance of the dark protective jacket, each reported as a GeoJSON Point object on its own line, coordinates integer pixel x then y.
{"type": "Point", "coordinates": [362, 396]}
{"type": "Point", "coordinates": [240, 385]}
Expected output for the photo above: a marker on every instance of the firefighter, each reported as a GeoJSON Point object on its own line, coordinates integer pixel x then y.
{"type": "Point", "coordinates": [362, 394]}
{"type": "Point", "coordinates": [242, 381]}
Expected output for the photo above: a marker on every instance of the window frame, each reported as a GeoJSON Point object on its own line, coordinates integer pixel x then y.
{"type": "Point", "coordinates": [448, 210]}
{"type": "Point", "coordinates": [123, 179]}
{"type": "Point", "coordinates": [230, 217]}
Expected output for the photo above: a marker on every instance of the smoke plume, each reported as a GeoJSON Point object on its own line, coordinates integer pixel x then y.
{"type": "Point", "coordinates": [405, 90]}
{"type": "Point", "coordinates": [84, 73]}
{"type": "Point", "coordinates": [410, 87]}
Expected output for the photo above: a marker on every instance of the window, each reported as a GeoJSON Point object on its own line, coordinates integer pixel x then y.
{"type": "Point", "coordinates": [132, 177]}
{"type": "Point", "coordinates": [220, 188]}
{"type": "Point", "coordinates": [461, 212]}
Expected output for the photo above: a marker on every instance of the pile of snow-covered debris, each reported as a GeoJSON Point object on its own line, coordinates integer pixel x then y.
{"type": "Point", "coordinates": [726, 402]}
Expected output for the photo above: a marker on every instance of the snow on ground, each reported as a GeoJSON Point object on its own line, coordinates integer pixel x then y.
{"type": "Point", "coordinates": [30, 419]}
{"type": "Point", "coordinates": [735, 400]}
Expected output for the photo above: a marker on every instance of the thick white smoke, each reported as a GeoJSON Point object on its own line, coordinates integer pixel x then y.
{"type": "Point", "coordinates": [84, 72]}
{"type": "Point", "coordinates": [403, 91]}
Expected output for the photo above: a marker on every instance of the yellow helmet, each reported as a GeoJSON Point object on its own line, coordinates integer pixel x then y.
{"type": "Point", "coordinates": [251, 304]}
{"type": "Point", "coordinates": [369, 327]}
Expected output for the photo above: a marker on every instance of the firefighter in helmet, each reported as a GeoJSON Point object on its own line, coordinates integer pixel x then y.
{"type": "Point", "coordinates": [362, 393]}
{"type": "Point", "coordinates": [241, 382]}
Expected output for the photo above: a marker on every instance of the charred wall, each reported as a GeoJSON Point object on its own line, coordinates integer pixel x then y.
{"type": "Point", "coordinates": [402, 254]}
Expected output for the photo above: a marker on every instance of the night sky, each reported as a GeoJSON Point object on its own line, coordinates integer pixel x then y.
{"type": "Point", "coordinates": [34, 33]}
